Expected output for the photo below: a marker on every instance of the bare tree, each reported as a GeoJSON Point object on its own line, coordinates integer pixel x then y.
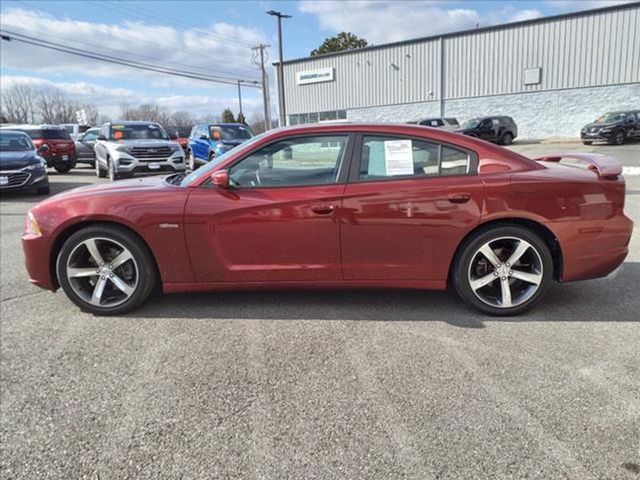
{"type": "Point", "coordinates": [18, 103]}
{"type": "Point", "coordinates": [256, 123]}
{"type": "Point", "coordinates": [182, 118]}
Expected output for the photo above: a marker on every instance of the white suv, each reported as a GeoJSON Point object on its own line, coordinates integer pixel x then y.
{"type": "Point", "coordinates": [125, 148]}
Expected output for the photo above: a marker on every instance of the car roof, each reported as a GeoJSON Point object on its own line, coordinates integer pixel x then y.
{"type": "Point", "coordinates": [131, 122]}
{"type": "Point", "coordinates": [18, 132]}
{"type": "Point", "coordinates": [43, 126]}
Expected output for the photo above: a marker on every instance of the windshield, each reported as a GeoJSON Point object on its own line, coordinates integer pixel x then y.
{"type": "Point", "coordinates": [149, 131]}
{"type": "Point", "coordinates": [15, 142]}
{"type": "Point", "coordinates": [611, 117]}
{"type": "Point", "coordinates": [230, 132]}
{"type": "Point", "coordinates": [207, 168]}
{"type": "Point", "coordinates": [179, 132]}
{"type": "Point", "coordinates": [473, 123]}
{"type": "Point", "coordinates": [49, 134]}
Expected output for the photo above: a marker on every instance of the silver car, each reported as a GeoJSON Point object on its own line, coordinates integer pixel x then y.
{"type": "Point", "coordinates": [445, 123]}
{"type": "Point", "coordinates": [123, 149]}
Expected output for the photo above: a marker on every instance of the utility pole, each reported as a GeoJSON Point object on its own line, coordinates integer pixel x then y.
{"type": "Point", "coordinates": [281, 105]}
{"type": "Point", "coordinates": [259, 50]}
{"type": "Point", "coordinates": [240, 100]}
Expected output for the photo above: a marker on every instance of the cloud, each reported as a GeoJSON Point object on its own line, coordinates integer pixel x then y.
{"type": "Point", "coordinates": [109, 99]}
{"type": "Point", "coordinates": [382, 22]}
{"type": "Point", "coordinates": [221, 49]}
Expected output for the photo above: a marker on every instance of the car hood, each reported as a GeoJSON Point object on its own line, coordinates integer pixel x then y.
{"type": "Point", "coordinates": [17, 160]}
{"type": "Point", "coordinates": [144, 143]}
{"type": "Point", "coordinates": [231, 143]}
{"type": "Point", "coordinates": [132, 187]}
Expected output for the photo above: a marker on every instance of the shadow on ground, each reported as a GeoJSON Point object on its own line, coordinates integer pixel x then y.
{"type": "Point", "coordinates": [613, 299]}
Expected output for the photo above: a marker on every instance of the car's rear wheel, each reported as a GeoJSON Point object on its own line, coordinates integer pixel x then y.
{"type": "Point", "coordinates": [587, 142]}
{"type": "Point", "coordinates": [619, 137]}
{"type": "Point", "coordinates": [212, 156]}
{"type": "Point", "coordinates": [507, 139]}
{"type": "Point", "coordinates": [503, 270]}
{"type": "Point", "coordinates": [63, 167]}
{"type": "Point", "coordinates": [191, 162]}
{"type": "Point", "coordinates": [106, 270]}
{"type": "Point", "coordinates": [100, 173]}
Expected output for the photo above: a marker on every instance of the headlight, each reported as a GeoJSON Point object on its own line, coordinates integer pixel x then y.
{"type": "Point", "coordinates": [34, 166]}
{"type": "Point", "coordinates": [584, 130]}
{"type": "Point", "coordinates": [31, 226]}
{"type": "Point", "coordinates": [605, 130]}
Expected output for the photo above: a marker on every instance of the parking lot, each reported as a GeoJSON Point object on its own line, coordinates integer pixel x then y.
{"type": "Point", "coordinates": [349, 384]}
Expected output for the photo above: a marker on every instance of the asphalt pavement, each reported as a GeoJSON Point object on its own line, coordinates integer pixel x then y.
{"type": "Point", "coordinates": [325, 385]}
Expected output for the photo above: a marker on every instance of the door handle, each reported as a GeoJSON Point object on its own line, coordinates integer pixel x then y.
{"type": "Point", "coordinates": [459, 197]}
{"type": "Point", "coordinates": [323, 209]}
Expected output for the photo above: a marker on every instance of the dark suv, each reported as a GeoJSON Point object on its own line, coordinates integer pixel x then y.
{"type": "Point", "coordinates": [499, 129]}
{"type": "Point", "coordinates": [612, 127]}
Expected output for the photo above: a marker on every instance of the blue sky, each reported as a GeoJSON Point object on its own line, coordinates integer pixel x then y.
{"type": "Point", "coordinates": [213, 36]}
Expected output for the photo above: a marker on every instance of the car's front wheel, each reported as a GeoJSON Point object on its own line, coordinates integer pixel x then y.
{"type": "Point", "coordinates": [100, 173]}
{"type": "Point", "coordinates": [619, 137]}
{"type": "Point", "coordinates": [503, 270]}
{"type": "Point", "coordinates": [106, 270]}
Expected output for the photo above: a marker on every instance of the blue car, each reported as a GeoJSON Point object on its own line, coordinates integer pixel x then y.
{"type": "Point", "coordinates": [208, 140]}
{"type": "Point", "coordinates": [21, 166]}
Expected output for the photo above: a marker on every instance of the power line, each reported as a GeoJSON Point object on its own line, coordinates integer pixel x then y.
{"type": "Point", "coordinates": [130, 10]}
{"type": "Point", "coordinates": [84, 44]}
{"type": "Point", "coordinates": [13, 36]}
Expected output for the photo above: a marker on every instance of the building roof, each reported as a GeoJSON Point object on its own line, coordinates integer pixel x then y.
{"type": "Point", "coordinates": [501, 26]}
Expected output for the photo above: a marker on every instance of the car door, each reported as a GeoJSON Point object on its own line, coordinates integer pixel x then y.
{"type": "Point", "coordinates": [408, 204]}
{"type": "Point", "coordinates": [100, 147]}
{"type": "Point", "coordinates": [84, 148]}
{"type": "Point", "coordinates": [278, 220]}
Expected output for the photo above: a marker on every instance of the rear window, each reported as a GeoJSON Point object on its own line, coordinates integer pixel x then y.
{"type": "Point", "coordinates": [230, 132]}
{"type": "Point", "coordinates": [179, 132]}
{"type": "Point", "coordinates": [49, 134]}
{"type": "Point", "coordinates": [452, 121]}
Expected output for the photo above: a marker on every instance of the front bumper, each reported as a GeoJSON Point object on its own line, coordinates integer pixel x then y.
{"type": "Point", "coordinates": [595, 136]}
{"type": "Point", "coordinates": [37, 250]}
{"type": "Point", "coordinates": [22, 179]}
{"type": "Point", "coordinates": [127, 164]}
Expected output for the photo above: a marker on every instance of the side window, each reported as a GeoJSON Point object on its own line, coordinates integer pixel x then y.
{"type": "Point", "coordinates": [90, 136]}
{"type": "Point", "coordinates": [495, 122]}
{"type": "Point", "coordinates": [391, 157]}
{"type": "Point", "coordinates": [292, 162]}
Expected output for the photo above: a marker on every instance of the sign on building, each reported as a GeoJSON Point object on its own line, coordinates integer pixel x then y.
{"type": "Point", "coordinates": [315, 76]}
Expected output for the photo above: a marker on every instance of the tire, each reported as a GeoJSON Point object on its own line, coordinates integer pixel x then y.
{"type": "Point", "coordinates": [212, 156]}
{"type": "Point", "coordinates": [473, 269]}
{"type": "Point", "coordinates": [43, 190]}
{"type": "Point", "coordinates": [63, 168]}
{"type": "Point", "coordinates": [99, 172]}
{"type": "Point", "coordinates": [587, 142]}
{"type": "Point", "coordinates": [619, 137]}
{"type": "Point", "coordinates": [92, 163]}
{"type": "Point", "coordinates": [111, 170]}
{"type": "Point", "coordinates": [507, 139]}
{"type": "Point", "coordinates": [191, 161]}
{"type": "Point", "coordinates": [122, 288]}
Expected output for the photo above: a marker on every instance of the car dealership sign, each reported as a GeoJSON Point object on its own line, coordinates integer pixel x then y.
{"type": "Point", "coordinates": [315, 76]}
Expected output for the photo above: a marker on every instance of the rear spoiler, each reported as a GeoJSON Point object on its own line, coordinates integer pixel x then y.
{"type": "Point", "coordinates": [601, 164]}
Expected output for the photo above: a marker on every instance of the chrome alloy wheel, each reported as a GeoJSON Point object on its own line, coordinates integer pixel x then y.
{"type": "Point", "coordinates": [102, 272]}
{"type": "Point", "coordinates": [505, 272]}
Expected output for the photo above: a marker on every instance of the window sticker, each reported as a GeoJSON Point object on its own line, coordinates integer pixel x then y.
{"type": "Point", "coordinates": [398, 157]}
{"type": "Point", "coordinates": [118, 135]}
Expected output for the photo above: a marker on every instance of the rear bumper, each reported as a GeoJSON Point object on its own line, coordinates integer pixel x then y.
{"type": "Point", "coordinates": [37, 251]}
{"type": "Point", "coordinates": [59, 159]}
{"type": "Point", "coordinates": [593, 249]}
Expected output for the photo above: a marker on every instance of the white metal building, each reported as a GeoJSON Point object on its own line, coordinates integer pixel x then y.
{"type": "Point", "coordinates": [552, 75]}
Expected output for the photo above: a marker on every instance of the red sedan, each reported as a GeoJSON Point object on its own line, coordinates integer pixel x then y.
{"type": "Point", "coordinates": [339, 206]}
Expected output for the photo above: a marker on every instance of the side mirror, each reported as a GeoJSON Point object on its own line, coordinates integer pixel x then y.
{"type": "Point", "coordinates": [220, 179]}
{"type": "Point", "coordinates": [43, 149]}
{"type": "Point", "coordinates": [101, 137]}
